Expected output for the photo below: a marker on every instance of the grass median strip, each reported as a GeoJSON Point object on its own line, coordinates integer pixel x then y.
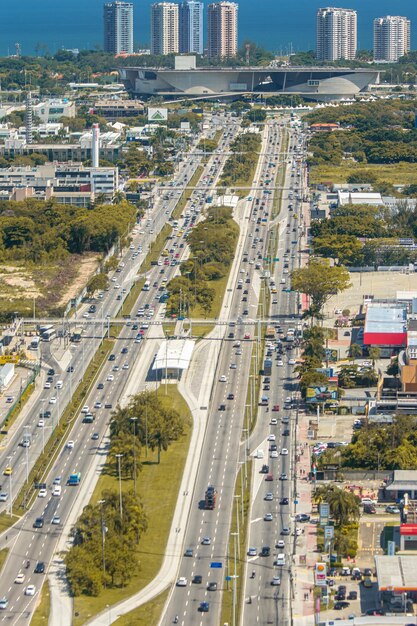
{"type": "Point", "coordinates": [235, 565]}
{"type": "Point", "coordinates": [3, 557]}
{"type": "Point", "coordinates": [41, 614]}
{"type": "Point", "coordinates": [187, 193]}
{"type": "Point", "coordinates": [158, 487]}
{"type": "Point", "coordinates": [146, 614]}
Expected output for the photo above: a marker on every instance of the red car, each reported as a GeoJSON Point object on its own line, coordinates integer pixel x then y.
{"type": "Point", "coordinates": [275, 407]}
{"type": "Point", "coordinates": [269, 477]}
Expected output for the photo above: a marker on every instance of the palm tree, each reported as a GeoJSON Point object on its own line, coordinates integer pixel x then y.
{"type": "Point", "coordinates": [374, 354]}
{"type": "Point", "coordinates": [159, 439]}
{"type": "Point", "coordinates": [355, 351]}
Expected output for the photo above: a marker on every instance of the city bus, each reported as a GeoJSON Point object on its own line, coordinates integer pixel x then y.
{"type": "Point", "coordinates": [48, 335]}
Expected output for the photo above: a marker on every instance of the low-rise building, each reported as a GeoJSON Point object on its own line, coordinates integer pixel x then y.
{"type": "Point", "coordinates": [52, 110]}
{"type": "Point", "coordinates": [385, 325]}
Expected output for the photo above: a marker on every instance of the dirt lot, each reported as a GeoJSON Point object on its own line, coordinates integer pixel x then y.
{"type": "Point", "coordinates": [51, 286]}
{"type": "Point", "coordinates": [378, 284]}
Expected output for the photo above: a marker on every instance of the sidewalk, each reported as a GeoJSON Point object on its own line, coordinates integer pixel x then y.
{"type": "Point", "coordinates": [305, 556]}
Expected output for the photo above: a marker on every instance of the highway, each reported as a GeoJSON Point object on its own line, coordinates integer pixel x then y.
{"type": "Point", "coordinates": [79, 355]}
{"type": "Point", "coordinates": [207, 533]}
{"type": "Point", "coordinates": [120, 377]}
{"type": "Point", "coordinates": [269, 578]}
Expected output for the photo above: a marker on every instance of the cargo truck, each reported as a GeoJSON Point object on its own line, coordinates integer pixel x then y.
{"type": "Point", "coordinates": [74, 479]}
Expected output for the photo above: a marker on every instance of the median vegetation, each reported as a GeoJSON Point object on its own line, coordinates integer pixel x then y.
{"type": "Point", "coordinates": [107, 536]}
{"type": "Point", "coordinates": [240, 167]}
{"type": "Point", "coordinates": [212, 246]}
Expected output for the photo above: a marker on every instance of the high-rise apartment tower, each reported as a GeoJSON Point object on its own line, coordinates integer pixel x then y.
{"type": "Point", "coordinates": [222, 29]}
{"type": "Point", "coordinates": [191, 27]}
{"type": "Point", "coordinates": [391, 37]}
{"type": "Point", "coordinates": [118, 27]}
{"type": "Point", "coordinates": [336, 34]}
{"type": "Point", "coordinates": [164, 28]}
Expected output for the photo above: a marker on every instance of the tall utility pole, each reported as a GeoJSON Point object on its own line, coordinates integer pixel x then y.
{"type": "Point", "coordinates": [9, 463]}
{"type": "Point", "coordinates": [119, 457]}
{"type": "Point", "coordinates": [134, 420]}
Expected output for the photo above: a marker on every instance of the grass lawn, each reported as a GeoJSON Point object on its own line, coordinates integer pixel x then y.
{"type": "Point", "coordinates": [3, 557]}
{"type": "Point", "coordinates": [146, 614]}
{"type": "Point", "coordinates": [158, 486]}
{"type": "Point", "coordinates": [398, 173]}
{"type": "Point", "coordinates": [199, 330]}
{"type": "Point", "coordinates": [41, 614]}
{"type": "Point", "coordinates": [219, 286]}
{"type": "Point", "coordinates": [168, 328]}
{"type": "Point", "coordinates": [156, 248]}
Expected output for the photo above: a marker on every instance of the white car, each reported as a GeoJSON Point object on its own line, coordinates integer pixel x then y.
{"type": "Point", "coordinates": [42, 493]}
{"type": "Point", "coordinates": [223, 379]}
{"type": "Point", "coordinates": [280, 543]}
{"type": "Point", "coordinates": [47, 385]}
{"type": "Point", "coordinates": [125, 366]}
{"type": "Point", "coordinates": [52, 400]}
{"type": "Point", "coordinates": [70, 444]}
{"type": "Point", "coordinates": [291, 361]}
{"type": "Point", "coordinates": [56, 520]}
{"type": "Point", "coordinates": [233, 366]}
{"type": "Point", "coordinates": [206, 541]}
{"type": "Point", "coordinates": [268, 517]}
{"type": "Point", "coordinates": [280, 363]}
{"type": "Point", "coordinates": [97, 405]}
{"type": "Point", "coordinates": [271, 437]}
{"type": "Point", "coordinates": [252, 552]}
{"type": "Point", "coordinates": [85, 409]}
{"type": "Point", "coordinates": [276, 580]}
{"type": "Point", "coordinates": [274, 454]}
{"type": "Point", "coordinates": [298, 531]}
{"type": "Point", "coordinates": [41, 423]}
{"type": "Point", "coordinates": [110, 377]}
{"type": "Point", "coordinates": [273, 421]}
{"type": "Point", "coordinates": [284, 451]}
{"type": "Point", "coordinates": [30, 590]}
{"type": "Point", "coordinates": [20, 579]}
{"type": "Point", "coordinates": [86, 315]}
{"type": "Point", "coordinates": [182, 581]}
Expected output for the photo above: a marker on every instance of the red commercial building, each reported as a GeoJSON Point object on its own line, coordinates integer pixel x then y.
{"type": "Point", "coordinates": [385, 326]}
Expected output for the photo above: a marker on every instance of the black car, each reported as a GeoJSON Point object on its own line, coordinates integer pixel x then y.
{"type": "Point", "coordinates": [286, 432]}
{"type": "Point", "coordinates": [39, 522]}
{"type": "Point", "coordinates": [339, 606]}
{"type": "Point", "coordinates": [340, 596]}
{"type": "Point", "coordinates": [266, 551]}
{"type": "Point", "coordinates": [222, 407]}
{"type": "Point", "coordinates": [353, 595]}
{"type": "Point", "coordinates": [100, 386]}
{"type": "Point", "coordinates": [273, 447]}
{"type": "Point", "coordinates": [284, 501]}
{"type": "Point", "coordinates": [40, 568]}
{"type": "Point", "coordinates": [70, 369]}
{"type": "Point", "coordinates": [197, 580]}
{"type": "Point", "coordinates": [112, 357]}
{"type": "Point", "coordinates": [51, 372]}
{"type": "Point", "coordinates": [265, 469]}
{"type": "Point", "coordinates": [212, 586]}
{"type": "Point", "coordinates": [204, 607]}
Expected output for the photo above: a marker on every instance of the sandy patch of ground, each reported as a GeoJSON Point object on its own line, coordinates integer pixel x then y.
{"type": "Point", "coordinates": [87, 265]}
{"type": "Point", "coordinates": [18, 279]}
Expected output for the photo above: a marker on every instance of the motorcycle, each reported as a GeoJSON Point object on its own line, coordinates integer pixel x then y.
{"type": "Point", "coordinates": [176, 619]}
{"type": "Point", "coordinates": [253, 574]}
{"type": "Point", "coordinates": [27, 564]}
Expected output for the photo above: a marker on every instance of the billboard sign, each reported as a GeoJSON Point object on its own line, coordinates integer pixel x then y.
{"type": "Point", "coordinates": [322, 393]}
{"type": "Point", "coordinates": [9, 358]}
{"type": "Point", "coordinates": [157, 114]}
{"type": "Point", "coordinates": [328, 532]}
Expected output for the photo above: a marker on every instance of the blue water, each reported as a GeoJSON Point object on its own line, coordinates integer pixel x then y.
{"type": "Point", "coordinates": [276, 24]}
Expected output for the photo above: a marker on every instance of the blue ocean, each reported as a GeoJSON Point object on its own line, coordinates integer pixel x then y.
{"type": "Point", "coordinates": [278, 25]}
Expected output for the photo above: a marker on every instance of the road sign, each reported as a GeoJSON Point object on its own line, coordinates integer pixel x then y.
{"type": "Point", "coordinates": [275, 259]}
{"type": "Point", "coordinates": [328, 532]}
{"type": "Point", "coordinates": [228, 578]}
{"type": "Point", "coordinates": [295, 501]}
{"type": "Point", "coordinates": [324, 511]}
{"type": "Point", "coordinates": [216, 565]}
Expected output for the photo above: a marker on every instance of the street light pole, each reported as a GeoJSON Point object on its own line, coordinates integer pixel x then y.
{"type": "Point", "coordinates": [118, 457]}
{"type": "Point", "coordinates": [9, 463]}
{"type": "Point", "coordinates": [26, 439]}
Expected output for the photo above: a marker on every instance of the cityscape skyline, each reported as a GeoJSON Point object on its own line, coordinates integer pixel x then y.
{"type": "Point", "coordinates": [79, 25]}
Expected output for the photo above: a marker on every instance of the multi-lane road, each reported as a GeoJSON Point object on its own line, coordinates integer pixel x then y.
{"type": "Point", "coordinates": [88, 445]}
{"type": "Point", "coordinates": [207, 534]}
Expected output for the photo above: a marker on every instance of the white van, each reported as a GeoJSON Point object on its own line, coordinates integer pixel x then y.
{"type": "Point", "coordinates": [282, 281]}
{"type": "Point", "coordinates": [56, 490]}
{"type": "Point", "coordinates": [280, 559]}
{"type": "Point", "coordinates": [259, 454]}
{"type": "Point", "coordinates": [59, 384]}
